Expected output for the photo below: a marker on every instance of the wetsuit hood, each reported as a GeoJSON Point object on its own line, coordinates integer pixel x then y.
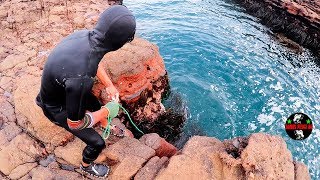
{"type": "Point", "coordinates": [116, 26]}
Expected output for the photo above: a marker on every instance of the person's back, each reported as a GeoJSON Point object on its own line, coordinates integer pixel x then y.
{"type": "Point", "coordinates": [68, 60]}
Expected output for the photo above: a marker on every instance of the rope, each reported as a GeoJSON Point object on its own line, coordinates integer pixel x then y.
{"type": "Point", "coordinates": [106, 132]}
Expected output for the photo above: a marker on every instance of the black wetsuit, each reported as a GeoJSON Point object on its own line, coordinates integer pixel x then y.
{"type": "Point", "coordinates": [68, 74]}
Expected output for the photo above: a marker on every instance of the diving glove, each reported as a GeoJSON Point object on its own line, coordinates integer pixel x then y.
{"type": "Point", "coordinates": [113, 109]}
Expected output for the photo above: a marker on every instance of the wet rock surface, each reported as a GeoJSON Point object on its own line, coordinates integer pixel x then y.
{"type": "Point", "coordinates": [299, 20]}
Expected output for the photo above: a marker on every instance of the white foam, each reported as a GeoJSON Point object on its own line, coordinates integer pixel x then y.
{"type": "Point", "coordinates": [277, 87]}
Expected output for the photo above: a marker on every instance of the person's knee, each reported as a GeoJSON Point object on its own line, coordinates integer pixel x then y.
{"type": "Point", "coordinates": [100, 144]}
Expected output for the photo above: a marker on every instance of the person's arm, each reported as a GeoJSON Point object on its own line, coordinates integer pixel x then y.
{"type": "Point", "coordinates": [77, 91]}
{"type": "Point", "coordinates": [106, 81]}
{"type": "Point", "coordinates": [103, 76]}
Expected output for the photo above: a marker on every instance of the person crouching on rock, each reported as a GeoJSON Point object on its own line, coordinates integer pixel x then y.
{"type": "Point", "coordinates": [68, 77]}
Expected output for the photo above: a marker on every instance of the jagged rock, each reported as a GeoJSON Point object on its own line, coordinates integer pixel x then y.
{"type": "Point", "coordinates": [35, 122]}
{"type": "Point", "coordinates": [298, 20]}
{"type": "Point", "coordinates": [149, 171]}
{"type": "Point", "coordinates": [259, 156]}
{"type": "Point", "coordinates": [160, 145]}
{"type": "Point", "coordinates": [22, 170]}
{"type": "Point", "coordinates": [22, 149]}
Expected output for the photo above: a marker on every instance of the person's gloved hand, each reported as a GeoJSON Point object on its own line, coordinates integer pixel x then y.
{"type": "Point", "coordinates": [113, 109]}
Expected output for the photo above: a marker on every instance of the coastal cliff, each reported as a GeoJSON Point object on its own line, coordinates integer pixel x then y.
{"type": "Point", "coordinates": [298, 20]}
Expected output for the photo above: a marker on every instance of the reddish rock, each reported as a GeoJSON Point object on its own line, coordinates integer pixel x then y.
{"type": "Point", "coordinates": [150, 170]}
{"type": "Point", "coordinates": [138, 72]}
{"type": "Point", "coordinates": [160, 145]}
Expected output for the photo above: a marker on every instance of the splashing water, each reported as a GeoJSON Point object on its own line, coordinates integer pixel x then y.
{"type": "Point", "coordinates": [236, 78]}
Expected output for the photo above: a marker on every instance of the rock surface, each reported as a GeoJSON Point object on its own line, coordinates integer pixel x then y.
{"type": "Point", "coordinates": [31, 116]}
{"type": "Point", "coordinates": [261, 156]}
{"type": "Point", "coordinates": [150, 170]}
{"type": "Point", "coordinates": [21, 150]}
{"type": "Point", "coordinates": [160, 145]}
{"type": "Point", "coordinates": [298, 20]}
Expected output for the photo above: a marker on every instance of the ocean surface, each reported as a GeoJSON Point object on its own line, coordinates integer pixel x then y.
{"type": "Point", "coordinates": [235, 77]}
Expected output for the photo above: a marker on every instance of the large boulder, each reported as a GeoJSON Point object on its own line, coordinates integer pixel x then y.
{"type": "Point", "coordinates": [138, 72]}
{"type": "Point", "coordinates": [259, 156]}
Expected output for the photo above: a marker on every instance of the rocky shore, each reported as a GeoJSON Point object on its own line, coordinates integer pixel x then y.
{"type": "Point", "coordinates": [31, 147]}
{"type": "Point", "coordinates": [298, 20]}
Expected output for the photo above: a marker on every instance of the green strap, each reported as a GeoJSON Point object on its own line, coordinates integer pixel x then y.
{"type": "Point", "coordinates": [113, 112]}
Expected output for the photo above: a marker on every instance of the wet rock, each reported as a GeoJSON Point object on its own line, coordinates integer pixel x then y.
{"type": "Point", "coordinates": [297, 20]}
{"type": "Point", "coordinates": [22, 149]}
{"type": "Point", "coordinates": [22, 170]}
{"type": "Point", "coordinates": [31, 116]}
{"type": "Point", "coordinates": [149, 171]}
{"type": "Point", "coordinates": [160, 145]}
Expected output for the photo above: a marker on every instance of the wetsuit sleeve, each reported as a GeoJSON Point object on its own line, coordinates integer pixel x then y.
{"type": "Point", "coordinates": [77, 92]}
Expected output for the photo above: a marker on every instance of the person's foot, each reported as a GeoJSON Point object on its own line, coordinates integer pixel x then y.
{"type": "Point", "coordinates": [97, 170]}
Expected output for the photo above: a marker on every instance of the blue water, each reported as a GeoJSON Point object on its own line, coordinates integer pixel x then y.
{"type": "Point", "coordinates": [235, 77]}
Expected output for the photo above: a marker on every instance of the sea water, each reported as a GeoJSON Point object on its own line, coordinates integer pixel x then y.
{"type": "Point", "coordinates": [235, 77]}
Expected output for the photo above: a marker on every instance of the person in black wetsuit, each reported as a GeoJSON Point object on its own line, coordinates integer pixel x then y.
{"type": "Point", "coordinates": [68, 76]}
